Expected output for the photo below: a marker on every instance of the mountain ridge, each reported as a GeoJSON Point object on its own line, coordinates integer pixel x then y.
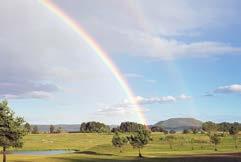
{"type": "Point", "coordinates": [179, 123]}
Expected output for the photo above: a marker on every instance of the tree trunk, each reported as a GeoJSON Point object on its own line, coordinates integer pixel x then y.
{"type": "Point", "coordinates": [236, 146]}
{"type": "Point", "coordinates": [140, 153]}
{"type": "Point", "coordinates": [4, 154]}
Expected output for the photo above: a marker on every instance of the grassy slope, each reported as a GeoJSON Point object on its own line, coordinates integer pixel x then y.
{"type": "Point", "coordinates": [98, 146]}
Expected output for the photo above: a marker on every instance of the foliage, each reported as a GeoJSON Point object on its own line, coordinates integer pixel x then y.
{"type": "Point", "coordinates": [119, 141]}
{"type": "Point", "coordinates": [215, 139]}
{"type": "Point", "coordinates": [225, 126]}
{"type": "Point", "coordinates": [234, 130]}
{"type": "Point", "coordinates": [114, 130]}
{"type": "Point", "coordinates": [51, 129]}
{"type": "Point", "coordinates": [58, 130]}
{"type": "Point", "coordinates": [27, 127]}
{"type": "Point", "coordinates": [165, 131]}
{"type": "Point", "coordinates": [12, 128]}
{"type": "Point", "coordinates": [186, 131]}
{"type": "Point", "coordinates": [170, 139]}
{"type": "Point", "coordinates": [140, 139]}
{"type": "Point", "coordinates": [131, 127]}
{"type": "Point", "coordinates": [35, 130]}
{"type": "Point", "coordinates": [195, 130]}
{"type": "Point", "coordinates": [94, 127]}
{"type": "Point", "coordinates": [156, 129]}
{"type": "Point", "coordinates": [172, 131]}
{"type": "Point", "coordinates": [209, 127]}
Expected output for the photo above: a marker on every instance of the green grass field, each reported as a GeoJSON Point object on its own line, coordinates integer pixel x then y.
{"type": "Point", "coordinates": [98, 147]}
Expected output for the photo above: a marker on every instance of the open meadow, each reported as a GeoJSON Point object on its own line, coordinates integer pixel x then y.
{"type": "Point", "coordinates": [98, 147]}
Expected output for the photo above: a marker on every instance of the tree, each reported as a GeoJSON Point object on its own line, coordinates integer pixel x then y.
{"type": "Point", "coordinates": [194, 130]}
{"type": "Point", "coordinates": [186, 131]}
{"type": "Point", "coordinates": [170, 140]}
{"type": "Point", "coordinates": [209, 127]}
{"type": "Point", "coordinates": [131, 127]}
{"type": "Point", "coordinates": [234, 130]}
{"type": "Point", "coordinates": [28, 128]}
{"type": "Point", "coordinates": [94, 127]}
{"type": "Point", "coordinates": [224, 126]}
{"type": "Point", "coordinates": [12, 128]}
{"type": "Point", "coordinates": [156, 129]}
{"type": "Point", "coordinates": [165, 131]}
{"type": "Point", "coordinates": [58, 130]}
{"type": "Point", "coordinates": [215, 139]}
{"type": "Point", "coordinates": [35, 130]}
{"type": "Point", "coordinates": [51, 129]}
{"type": "Point", "coordinates": [172, 131]}
{"type": "Point", "coordinates": [140, 139]}
{"type": "Point", "coordinates": [119, 141]}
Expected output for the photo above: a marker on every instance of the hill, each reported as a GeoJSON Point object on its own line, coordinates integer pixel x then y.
{"type": "Point", "coordinates": [179, 123]}
{"type": "Point", "coordinates": [65, 127]}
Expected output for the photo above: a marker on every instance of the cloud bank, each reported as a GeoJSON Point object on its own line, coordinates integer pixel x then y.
{"type": "Point", "coordinates": [128, 107]}
{"type": "Point", "coordinates": [234, 88]}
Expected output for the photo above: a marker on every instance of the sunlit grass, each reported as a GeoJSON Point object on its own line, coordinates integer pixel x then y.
{"type": "Point", "coordinates": [98, 146]}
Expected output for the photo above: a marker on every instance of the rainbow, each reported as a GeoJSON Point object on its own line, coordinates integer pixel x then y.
{"type": "Point", "coordinates": [99, 52]}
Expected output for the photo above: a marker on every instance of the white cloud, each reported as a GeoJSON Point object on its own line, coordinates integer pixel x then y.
{"type": "Point", "coordinates": [234, 88]}
{"type": "Point", "coordinates": [133, 75]}
{"type": "Point", "coordinates": [128, 107]}
{"type": "Point", "coordinates": [140, 77]}
{"type": "Point", "coordinates": [152, 81]}
{"type": "Point", "coordinates": [184, 97]}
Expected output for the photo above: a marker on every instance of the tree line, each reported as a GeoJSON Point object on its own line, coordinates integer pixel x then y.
{"type": "Point", "coordinates": [14, 128]}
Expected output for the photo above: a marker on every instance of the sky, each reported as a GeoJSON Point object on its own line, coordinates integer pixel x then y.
{"type": "Point", "coordinates": [180, 58]}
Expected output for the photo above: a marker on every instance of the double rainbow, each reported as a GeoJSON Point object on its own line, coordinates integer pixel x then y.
{"type": "Point", "coordinates": [99, 52]}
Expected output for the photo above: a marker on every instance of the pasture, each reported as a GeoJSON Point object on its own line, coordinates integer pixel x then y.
{"type": "Point", "coordinates": [98, 147]}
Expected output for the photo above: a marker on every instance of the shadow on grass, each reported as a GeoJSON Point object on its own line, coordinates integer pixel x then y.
{"type": "Point", "coordinates": [92, 153]}
{"type": "Point", "coordinates": [235, 157]}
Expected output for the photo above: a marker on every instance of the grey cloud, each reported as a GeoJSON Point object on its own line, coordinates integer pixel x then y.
{"type": "Point", "coordinates": [150, 29]}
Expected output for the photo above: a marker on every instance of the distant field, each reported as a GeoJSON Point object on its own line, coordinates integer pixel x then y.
{"type": "Point", "coordinates": [98, 147]}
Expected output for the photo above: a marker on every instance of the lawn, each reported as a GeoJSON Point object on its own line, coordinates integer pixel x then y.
{"type": "Point", "coordinates": [98, 147]}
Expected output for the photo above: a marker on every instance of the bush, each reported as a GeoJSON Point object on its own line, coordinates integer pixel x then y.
{"type": "Point", "coordinates": [172, 131]}
{"type": "Point", "coordinates": [94, 127]}
{"type": "Point", "coordinates": [186, 131]}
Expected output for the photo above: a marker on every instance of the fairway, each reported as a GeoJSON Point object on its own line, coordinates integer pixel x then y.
{"type": "Point", "coordinates": [98, 147]}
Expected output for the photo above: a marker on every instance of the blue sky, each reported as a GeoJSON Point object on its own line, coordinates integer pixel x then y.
{"type": "Point", "coordinates": [181, 59]}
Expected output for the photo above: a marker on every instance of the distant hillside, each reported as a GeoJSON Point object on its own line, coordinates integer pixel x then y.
{"type": "Point", "coordinates": [179, 123]}
{"type": "Point", "coordinates": [65, 127]}
{"type": "Point", "coordinates": [172, 123]}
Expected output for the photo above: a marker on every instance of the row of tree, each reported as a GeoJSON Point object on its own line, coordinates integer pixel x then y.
{"type": "Point", "coordinates": [212, 130]}
{"type": "Point", "coordinates": [94, 127]}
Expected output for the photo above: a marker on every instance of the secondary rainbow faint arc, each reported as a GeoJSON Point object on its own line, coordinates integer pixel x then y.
{"type": "Point", "coordinates": [99, 51]}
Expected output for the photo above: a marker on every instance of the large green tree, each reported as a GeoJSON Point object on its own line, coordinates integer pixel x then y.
{"type": "Point", "coordinates": [140, 139]}
{"type": "Point", "coordinates": [119, 141]}
{"type": "Point", "coordinates": [51, 129]}
{"type": "Point", "coordinates": [12, 128]}
{"type": "Point", "coordinates": [28, 128]}
{"type": "Point", "coordinates": [234, 130]}
{"type": "Point", "coordinates": [215, 139]}
{"type": "Point", "coordinates": [209, 127]}
{"type": "Point", "coordinates": [94, 127]}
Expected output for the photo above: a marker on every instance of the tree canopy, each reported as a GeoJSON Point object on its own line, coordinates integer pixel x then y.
{"type": "Point", "coordinates": [94, 127]}
{"type": "Point", "coordinates": [12, 128]}
{"type": "Point", "coordinates": [140, 139]}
